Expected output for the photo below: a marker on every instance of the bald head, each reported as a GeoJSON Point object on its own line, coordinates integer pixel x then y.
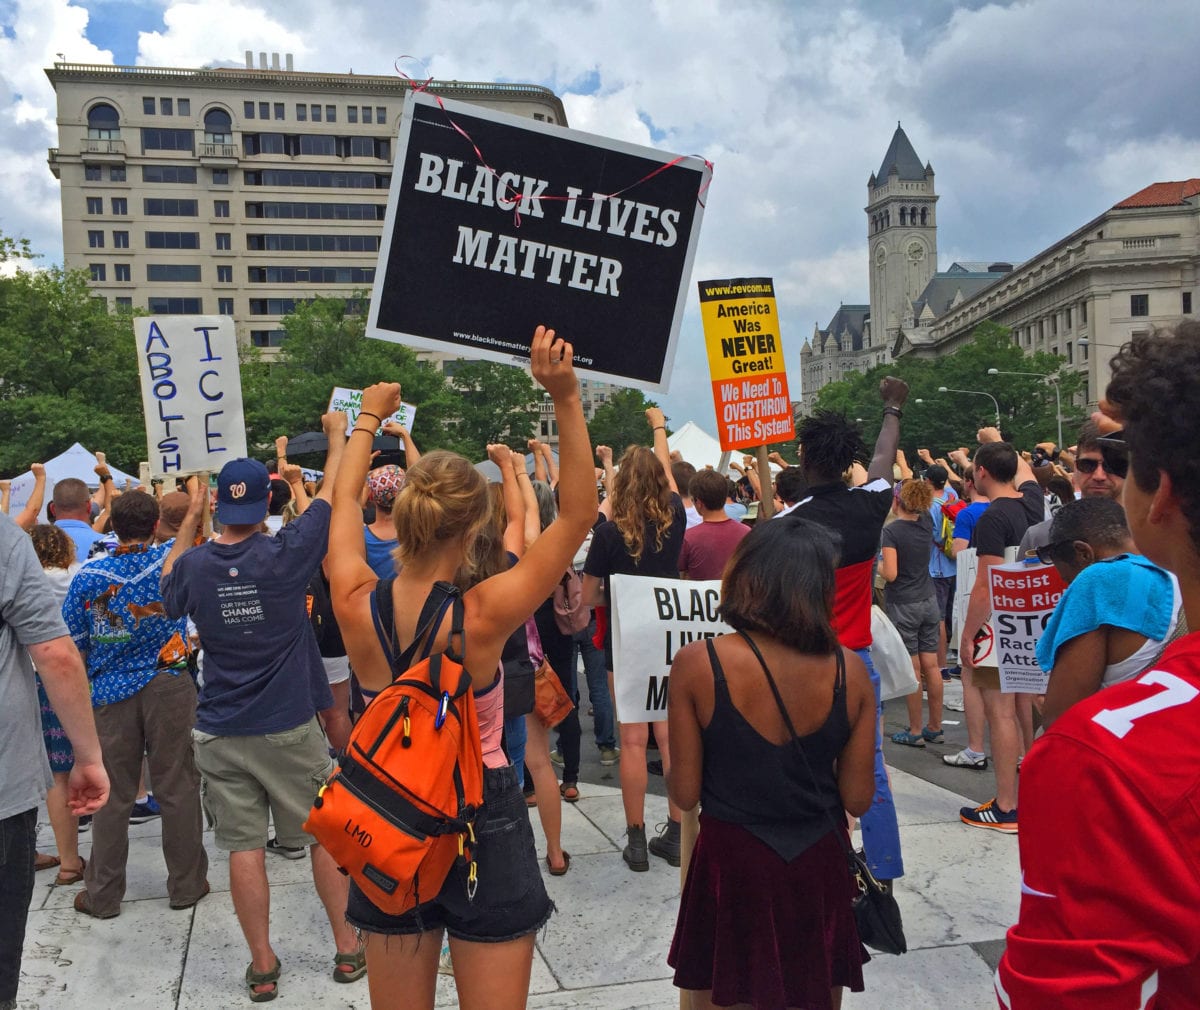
{"type": "Point", "coordinates": [72, 499]}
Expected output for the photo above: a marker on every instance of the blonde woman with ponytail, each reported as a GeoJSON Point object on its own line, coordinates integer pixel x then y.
{"type": "Point", "coordinates": [439, 514]}
{"type": "Point", "coordinates": [644, 537]}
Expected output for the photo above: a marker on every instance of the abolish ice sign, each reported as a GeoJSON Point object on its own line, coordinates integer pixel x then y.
{"type": "Point", "coordinates": [525, 223]}
{"type": "Point", "coordinates": [191, 393]}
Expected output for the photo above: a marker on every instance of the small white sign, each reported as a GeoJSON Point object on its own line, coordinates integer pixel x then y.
{"type": "Point", "coordinates": [652, 619]}
{"type": "Point", "coordinates": [191, 393]}
{"type": "Point", "coordinates": [349, 402]}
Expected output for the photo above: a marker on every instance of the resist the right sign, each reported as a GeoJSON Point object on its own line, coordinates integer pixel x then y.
{"type": "Point", "coordinates": [1023, 598]}
{"type": "Point", "coordinates": [745, 362]}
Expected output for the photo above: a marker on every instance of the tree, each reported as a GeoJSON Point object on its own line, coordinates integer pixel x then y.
{"type": "Point", "coordinates": [621, 422]}
{"type": "Point", "coordinates": [68, 370]}
{"type": "Point", "coordinates": [497, 403]}
{"type": "Point", "coordinates": [942, 421]}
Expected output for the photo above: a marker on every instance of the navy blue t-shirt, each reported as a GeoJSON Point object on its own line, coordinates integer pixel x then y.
{"type": "Point", "coordinates": [262, 668]}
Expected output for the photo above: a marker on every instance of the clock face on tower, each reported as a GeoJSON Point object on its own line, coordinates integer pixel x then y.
{"type": "Point", "coordinates": [916, 252]}
{"type": "Point", "coordinates": [880, 255]}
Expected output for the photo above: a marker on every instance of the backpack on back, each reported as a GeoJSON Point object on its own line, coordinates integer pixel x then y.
{"type": "Point", "coordinates": [400, 809]}
{"type": "Point", "coordinates": [570, 614]}
{"type": "Point", "coordinates": [950, 511]}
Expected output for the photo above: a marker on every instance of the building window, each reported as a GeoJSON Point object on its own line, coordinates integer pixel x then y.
{"type": "Point", "coordinates": [1067, 318]}
{"type": "Point", "coordinates": [313, 179]}
{"type": "Point", "coordinates": [264, 110]}
{"type": "Point", "coordinates": [351, 113]}
{"type": "Point", "coordinates": [301, 112]}
{"type": "Point", "coordinates": [366, 114]}
{"type": "Point", "coordinates": [91, 173]}
{"type": "Point", "coordinates": [221, 208]}
{"type": "Point", "coordinates": [225, 274]}
{"type": "Point", "coordinates": [218, 127]}
{"type": "Point", "coordinates": [97, 271]}
{"type": "Point", "coordinates": [167, 107]}
{"type": "Point", "coordinates": [116, 173]}
{"type": "Point", "coordinates": [124, 303]}
{"type": "Point", "coordinates": [279, 110]}
{"type": "Point", "coordinates": [175, 306]}
{"type": "Point", "coordinates": [220, 176]}
{"type": "Point", "coordinates": [1070, 353]}
{"type": "Point", "coordinates": [95, 205]}
{"type": "Point", "coordinates": [381, 117]}
{"type": "Point", "coordinates": [1139, 305]}
{"type": "Point", "coordinates": [172, 240]}
{"type": "Point", "coordinates": [248, 110]}
{"type": "Point", "coordinates": [292, 242]}
{"type": "Point", "coordinates": [147, 106]}
{"type": "Point", "coordinates": [156, 139]}
{"type": "Point", "coordinates": [168, 173]}
{"type": "Point", "coordinates": [121, 271]}
{"type": "Point", "coordinates": [120, 206]}
{"type": "Point", "coordinates": [224, 242]}
{"type": "Point", "coordinates": [331, 113]}
{"type": "Point", "coordinates": [1187, 303]}
{"type": "Point", "coordinates": [184, 105]}
{"type": "Point", "coordinates": [96, 239]}
{"type": "Point", "coordinates": [224, 306]}
{"type": "Point", "coordinates": [120, 240]}
{"type": "Point", "coordinates": [170, 208]}
{"type": "Point", "coordinates": [315, 110]}
{"type": "Point", "coordinates": [1054, 325]}
{"type": "Point", "coordinates": [103, 123]}
{"type": "Point", "coordinates": [267, 338]}
{"type": "Point", "coordinates": [173, 272]}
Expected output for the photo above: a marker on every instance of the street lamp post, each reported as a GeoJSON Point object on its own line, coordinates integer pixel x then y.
{"type": "Point", "coordinates": [975, 392]}
{"type": "Point", "coordinates": [1057, 396]}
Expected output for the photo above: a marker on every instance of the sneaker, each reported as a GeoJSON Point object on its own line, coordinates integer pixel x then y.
{"type": "Point", "coordinates": [609, 756]}
{"type": "Point", "coordinates": [654, 767]}
{"type": "Point", "coordinates": [665, 844]}
{"type": "Point", "coordinates": [966, 759]}
{"type": "Point", "coordinates": [144, 810]}
{"type": "Point", "coordinates": [85, 823]}
{"type": "Point", "coordinates": [989, 815]}
{"type": "Point", "coordinates": [946, 678]}
{"type": "Point", "coordinates": [953, 704]}
{"type": "Point", "coordinates": [445, 965]}
{"type": "Point", "coordinates": [556, 756]}
{"type": "Point", "coordinates": [287, 851]}
{"type": "Point", "coordinates": [635, 852]}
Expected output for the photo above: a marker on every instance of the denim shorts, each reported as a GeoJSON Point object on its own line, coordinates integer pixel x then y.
{"type": "Point", "coordinates": [510, 900]}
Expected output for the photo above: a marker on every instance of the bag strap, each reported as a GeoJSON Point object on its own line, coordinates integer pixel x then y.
{"type": "Point", "coordinates": [787, 719]}
{"type": "Point", "coordinates": [442, 596]}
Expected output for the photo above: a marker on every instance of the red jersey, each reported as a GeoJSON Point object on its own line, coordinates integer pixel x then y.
{"type": "Point", "coordinates": [1110, 851]}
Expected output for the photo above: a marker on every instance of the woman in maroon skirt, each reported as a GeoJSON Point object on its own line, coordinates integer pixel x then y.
{"type": "Point", "coordinates": [765, 918]}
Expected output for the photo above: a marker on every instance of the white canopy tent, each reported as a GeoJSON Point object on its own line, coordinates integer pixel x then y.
{"type": "Point", "coordinates": [75, 462]}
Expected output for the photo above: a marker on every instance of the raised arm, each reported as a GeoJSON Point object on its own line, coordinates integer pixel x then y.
{"type": "Point", "coordinates": [411, 452]}
{"type": "Point", "coordinates": [894, 393]}
{"type": "Point", "coordinates": [539, 461]}
{"type": "Point", "coordinates": [514, 503]}
{"type": "Point", "coordinates": [186, 536]}
{"type": "Point", "coordinates": [294, 476]}
{"type": "Point", "coordinates": [551, 466]}
{"type": "Point", "coordinates": [902, 462]}
{"type": "Point", "coordinates": [334, 426]}
{"type": "Point", "coordinates": [605, 455]}
{"type": "Point", "coordinates": [533, 516]}
{"type": "Point", "coordinates": [105, 495]}
{"type": "Point", "coordinates": [658, 431]}
{"type": "Point", "coordinates": [27, 518]}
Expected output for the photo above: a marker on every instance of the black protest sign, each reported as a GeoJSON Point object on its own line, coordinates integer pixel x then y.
{"type": "Point", "coordinates": [593, 237]}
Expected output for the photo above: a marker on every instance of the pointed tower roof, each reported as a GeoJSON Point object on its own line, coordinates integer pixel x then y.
{"type": "Point", "coordinates": [902, 158]}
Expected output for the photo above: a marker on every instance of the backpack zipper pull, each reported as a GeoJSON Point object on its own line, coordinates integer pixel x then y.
{"type": "Point", "coordinates": [406, 738]}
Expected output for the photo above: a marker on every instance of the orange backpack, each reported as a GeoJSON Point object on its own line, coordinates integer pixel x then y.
{"type": "Point", "coordinates": [399, 811]}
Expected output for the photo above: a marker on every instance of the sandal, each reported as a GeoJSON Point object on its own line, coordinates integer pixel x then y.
{"type": "Point", "coordinates": [71, 876]}
{"type": "Point", "coordinates": [45, 861]}
{"type": "Point", "coordinates": [569, 791]}
{"type": "Point", "coordinates": [932, 735]}
{"type": "Point", "coordinates": [565, 866]}
{"type": "Point", "coordinates": [908, 739]}
{"type": "Point", "coordinates": [270, 978]}
{"type": "Point", "coordinates": [355, 962]}
{"type": "Point", "coordinates": [531, 799]}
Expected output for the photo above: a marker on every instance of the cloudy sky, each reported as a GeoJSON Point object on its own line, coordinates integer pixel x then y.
{"type": "Point", "coordinates": [1036, 115]}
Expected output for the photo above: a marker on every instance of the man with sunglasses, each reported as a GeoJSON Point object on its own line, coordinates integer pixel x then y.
{"type": "Point", "coordinates": [1110, 840]}
{"type": "Point", "coordinates": [1092, 478]}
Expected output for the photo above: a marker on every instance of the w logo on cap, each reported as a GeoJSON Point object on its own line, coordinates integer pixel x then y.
{"type": "Point", "coordinates": [237, 490]}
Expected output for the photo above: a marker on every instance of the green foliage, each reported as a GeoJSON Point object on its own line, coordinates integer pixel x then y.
{"type": "Point", "coordinates": [69, 370]}
{"type": "Point", "coordinates": [621, 422]}
{"type": "Point", "coordinates": [495, 403]}
{"type": "Point", "coordinates": [944, 421]}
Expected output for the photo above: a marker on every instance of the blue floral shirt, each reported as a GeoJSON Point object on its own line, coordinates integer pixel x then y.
{"type": "Point", "coordinates": [115, 614]}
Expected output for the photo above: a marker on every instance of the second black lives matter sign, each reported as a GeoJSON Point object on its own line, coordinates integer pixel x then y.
{"type": "Point", "coordinates": [472, 260]}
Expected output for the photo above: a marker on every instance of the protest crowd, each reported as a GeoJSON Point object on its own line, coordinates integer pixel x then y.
{"type": "Point", "coordinates": [379, 672]}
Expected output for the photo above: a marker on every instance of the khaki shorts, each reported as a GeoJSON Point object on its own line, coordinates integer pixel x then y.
{"type": "Point", "coordinates": [248, 778]}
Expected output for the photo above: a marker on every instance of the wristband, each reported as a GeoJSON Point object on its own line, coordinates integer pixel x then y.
{"type": "Point", "coordinates": [896, 412]}
{"type": "Point", "coordinates": [369, 414]}
{"type": "Point", "coordinates": [106, 477]}
{"type": "Point", "coordinates": [369, 431]}
{"type": "Point", "coordinates": [659, 427]}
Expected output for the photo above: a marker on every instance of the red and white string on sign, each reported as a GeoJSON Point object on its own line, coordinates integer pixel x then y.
{"type": "Point", "coordinates": [514, 195]}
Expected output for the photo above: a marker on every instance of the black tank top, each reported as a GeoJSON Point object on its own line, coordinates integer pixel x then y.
{"type": "Point", "coordinates": [766, 787]}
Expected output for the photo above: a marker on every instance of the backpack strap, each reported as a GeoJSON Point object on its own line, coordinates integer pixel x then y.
{"type": "Point", "coordinates": [442, 596]}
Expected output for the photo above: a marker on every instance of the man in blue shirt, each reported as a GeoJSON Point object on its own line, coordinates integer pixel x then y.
{"type": "Point", "coordinates": [72, 503]}
{"type": "Point", "coordinates": [258, 742]}
{"type": "Point", "coordinates": [145, 703]}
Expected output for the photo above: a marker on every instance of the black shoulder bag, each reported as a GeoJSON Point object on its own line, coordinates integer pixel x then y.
{"type": "Point", "coordinates": [875, 908]}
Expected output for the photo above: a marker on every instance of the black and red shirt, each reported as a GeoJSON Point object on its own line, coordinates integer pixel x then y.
{"type": "Point", "coordinates": [856, 514]}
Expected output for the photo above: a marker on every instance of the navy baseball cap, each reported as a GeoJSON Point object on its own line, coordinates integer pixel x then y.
{"type": "Point", "coordinates": [243, 490]}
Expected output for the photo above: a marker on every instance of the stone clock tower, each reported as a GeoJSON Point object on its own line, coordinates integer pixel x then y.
{"type": "Point", "coordinates": [902, 236]}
